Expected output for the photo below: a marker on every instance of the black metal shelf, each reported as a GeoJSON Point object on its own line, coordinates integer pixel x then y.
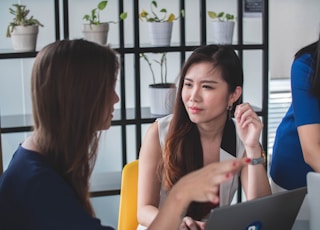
{"type": "Point", "coordinates": [11, 54]}
{"type": "Point", "coordinates": [23, 122]}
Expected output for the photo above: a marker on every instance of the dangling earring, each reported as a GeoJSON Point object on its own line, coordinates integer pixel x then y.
{"type": "Point", "coordinates": [229, 108]}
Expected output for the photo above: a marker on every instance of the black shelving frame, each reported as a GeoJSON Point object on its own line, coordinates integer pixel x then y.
{"type": "Point", "coordinates": [138, 116]}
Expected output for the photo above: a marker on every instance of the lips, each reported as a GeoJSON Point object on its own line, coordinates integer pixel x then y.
{"type": "Point", "coordinates": [194, 109]}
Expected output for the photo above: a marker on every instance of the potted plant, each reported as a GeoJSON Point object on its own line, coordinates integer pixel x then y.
{"type": "Point", "coordinates": [23, 30]}
{"type": "Point", "coordinates": [222, 27]}
{"type": "Point", "coordinates": [162, 94]}
{"type": "Point", "coordinates": [95, 30]}
{"type": "Point", "coordinates": [160, 27]}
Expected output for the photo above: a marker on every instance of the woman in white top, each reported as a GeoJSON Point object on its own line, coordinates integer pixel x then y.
{"type": "Point", "coordinates": [199, 132]}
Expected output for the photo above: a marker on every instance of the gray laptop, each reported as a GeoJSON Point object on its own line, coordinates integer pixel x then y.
{"type": "Point", "coordinates": [277, 211]}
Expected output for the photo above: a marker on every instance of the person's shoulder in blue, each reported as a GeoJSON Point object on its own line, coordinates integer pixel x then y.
{"type": "Point", "coordinates": [33, 196]}
{"type": "Point", "coordinates": [295, 150]}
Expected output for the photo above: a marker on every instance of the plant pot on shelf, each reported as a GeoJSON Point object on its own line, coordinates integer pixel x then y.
{"type": "Point", "coordinates": [24, 38]}
{"type": "Point", "coordinates": [160, 33]}
{"type": "Point", "coordinates": [162, 98]}
{"type": "Point", "coordinates": [96, 33]}
{"type": "Point", "coordinates": [222, 32]}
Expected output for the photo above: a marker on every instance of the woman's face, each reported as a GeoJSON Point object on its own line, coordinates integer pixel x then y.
{"type": "Point", "coordinates": [205, 94]}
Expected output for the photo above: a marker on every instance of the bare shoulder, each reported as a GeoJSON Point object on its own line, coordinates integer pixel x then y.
{"type": "Point", "coordinates": [151, 143]}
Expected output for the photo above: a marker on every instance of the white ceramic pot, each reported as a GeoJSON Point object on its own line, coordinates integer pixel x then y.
{"type": "Point", "coordinates": [162, 99]}
{"type": "Point", "coordinates": [222, 32]}
{"type": "Point", "coordinates": [24, 38]}
{"type": "Point", "coordinates": [96, 33]}
{"type": "Point", "coordinates": [160, 33]}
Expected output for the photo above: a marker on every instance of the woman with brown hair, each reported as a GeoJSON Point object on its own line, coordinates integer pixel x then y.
{"type": "Point", "coordinates": [199, 132]}
{"type": "Point", "coordinates": [46, 185]}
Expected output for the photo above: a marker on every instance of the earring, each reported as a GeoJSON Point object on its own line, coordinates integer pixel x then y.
{"type": "Point", "coordinates": [229, 108]}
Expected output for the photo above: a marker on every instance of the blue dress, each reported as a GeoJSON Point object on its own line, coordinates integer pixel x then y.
{"type": "Point", "coordinates": [34, 197]}
{"type": "Point", "coordinates": [288, 168]}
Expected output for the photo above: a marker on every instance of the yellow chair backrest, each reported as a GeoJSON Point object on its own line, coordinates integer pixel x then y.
{"type": "Point", "coordinates": [128, 197]}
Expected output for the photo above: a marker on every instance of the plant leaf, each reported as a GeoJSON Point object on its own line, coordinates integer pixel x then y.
{"type": "Point", "coordinates": [123, 15]}
{"type": "Point", "coordinates": [102, 5]}
{"type": "Point", "coordinates": [154, 3]}
{"type": "Point", "coordinates": [171, 18]}
{"type": "Point", "coordinates": [212, 14]}
{"type": "Point", "coordinates": [229, 17]}
{"type": "Point", "coordinates": [163, 10]}
{"type": "Point", "coordinates": [182, 13]}
{"type": "Point", "coordinates": [220, 15]}
{"type": "Point", "coordinates": [143, 14]}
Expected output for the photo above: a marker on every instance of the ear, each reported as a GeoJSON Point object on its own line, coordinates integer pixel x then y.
{"type": "Point", "coordinates": [235, 95]}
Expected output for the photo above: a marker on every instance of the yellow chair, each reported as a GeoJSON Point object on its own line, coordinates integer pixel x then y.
{"type": "Point", "coordinates": [127, 219]}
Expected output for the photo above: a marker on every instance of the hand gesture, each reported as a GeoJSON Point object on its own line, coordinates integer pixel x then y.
{"type": "Point", "coordinates": [190, 224]}
{"type": "Point", "coordinates": [248, 124]}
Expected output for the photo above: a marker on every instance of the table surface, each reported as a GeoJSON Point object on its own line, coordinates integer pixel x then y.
{"type": "Point", "coordinates": [302, 220]}
{"type": "Point", "coordinates": [301, 225]}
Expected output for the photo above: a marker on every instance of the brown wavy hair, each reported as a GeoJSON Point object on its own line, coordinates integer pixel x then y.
{"type": "Point", "coordinates": [72, 88]}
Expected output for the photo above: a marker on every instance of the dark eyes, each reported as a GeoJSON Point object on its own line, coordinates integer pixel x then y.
{"type": "Point", "coordinates": [207, 87]}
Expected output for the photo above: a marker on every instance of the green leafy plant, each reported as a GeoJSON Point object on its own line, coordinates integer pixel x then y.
{"type": "Point", "coordinates": [154, 16]}
{"type": "Point", "coordinates": [20, 18]}
{"type": "Point", "coordinates": [221, 16]}
{"type": "Point", "coordinates": [94, 17]}
{"type": "Point", "coordinates": [163, 67]}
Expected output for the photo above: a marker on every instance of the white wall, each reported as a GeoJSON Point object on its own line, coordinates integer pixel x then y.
{"type": "Point", "coordinates": [292, 25]}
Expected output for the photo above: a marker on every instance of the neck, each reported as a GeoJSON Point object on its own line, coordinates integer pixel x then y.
{"type": "Point", "coordinates": [212, 130]}
{"type": "Point", "coordinates": [30, 143]}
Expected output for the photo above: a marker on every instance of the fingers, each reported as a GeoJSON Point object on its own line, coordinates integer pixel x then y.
{"type": "Point", "coordinates": [189, 224]}
{"type": "Point", "coordinates": [207, 181]}
{"type": "Point", "coordinates": [226, 169]}
{"type": "Point", "coordinates": [245, 115]}
{"type": "Point", "coordinates": [221, 172]}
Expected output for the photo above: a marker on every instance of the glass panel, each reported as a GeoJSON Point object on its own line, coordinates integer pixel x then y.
{"type": "Point", "coordinates": [110, 151]}
{"type": "Point", "coordinates": [192, 34]}
{"type": "Point", "coordinates": [253, 78]}
{"type": "Point", "coordinates": [15, 94]}
{"type": "Point", "coordinates": [131, 143]}
{"type": "Point", "coordinates": [129, 80]}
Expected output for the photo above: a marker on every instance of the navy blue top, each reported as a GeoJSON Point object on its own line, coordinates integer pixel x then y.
{"type": "Point", "coordinates": [33, 196]}
{"type": "Point", "coordinates": [288, 168]}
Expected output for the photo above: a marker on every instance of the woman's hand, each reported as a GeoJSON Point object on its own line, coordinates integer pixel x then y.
{"type": "Point", "coordinates": [201, 185]}
{"type": "Point", "coordinates": [190, 224]}
{"type": "Point", "coordinates": [249, 125]}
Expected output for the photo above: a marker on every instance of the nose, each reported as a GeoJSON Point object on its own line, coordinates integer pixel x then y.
{"type": "Point", "coordinates": [194, 94]}
{"type": "Point", "coordinates": [116, 98]}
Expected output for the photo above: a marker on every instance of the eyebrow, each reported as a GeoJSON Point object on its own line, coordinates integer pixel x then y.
{"type": "Point", "coordinates": [204, 81]}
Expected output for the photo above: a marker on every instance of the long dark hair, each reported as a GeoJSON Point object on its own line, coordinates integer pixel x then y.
{"type": "Point", "coordinates": [183, 150]}
{"type": "Point", "coordinates": [314, 50]}
{"type": "Point", "coordinates": [72, 89]}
